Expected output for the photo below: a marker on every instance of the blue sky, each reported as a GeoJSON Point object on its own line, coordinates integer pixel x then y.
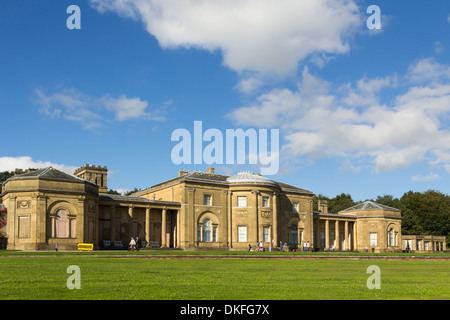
{"type": "Point", "coordinates": [359, 111]}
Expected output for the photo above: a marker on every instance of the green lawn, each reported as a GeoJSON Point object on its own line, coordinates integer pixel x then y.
{"type": "Point", "coordinates": [28, 277]}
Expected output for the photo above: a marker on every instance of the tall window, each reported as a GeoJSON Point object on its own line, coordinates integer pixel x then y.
{"type": "Point", "coordinates": [295, 206]}
{"type": "Point", "coordinates": [373, 239]}
{"type": "Point", "coordinates": [242, 201]}
{"type": "Point", "coordinates": [207, 230]}
{"type": "Point", "coordinates": [242, 233]}
{"type": "Point", "coordinates": [265, 201]}
{"type": "Point", "coordinates": [293, 235]}
{"type": "Point", "coordinates": [391, 237]}
{"type": "Point", "coordinates": [266, 234]}
{"type": "Point", "coordinates": [207, 200]}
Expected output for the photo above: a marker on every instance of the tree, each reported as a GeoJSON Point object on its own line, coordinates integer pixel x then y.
{"type": "Point", "coordinates": [426, 213]}
{"type": "Point", "coordinates": [388, 200]}
{"type": "Point", "coordinates": [340, 202]}
{"type": "Point", "coordinates": [5, 175]}
{"type": "Point", "coordinates": [132, 191]}
{"type": "Point", "coordinates": [316, 199]}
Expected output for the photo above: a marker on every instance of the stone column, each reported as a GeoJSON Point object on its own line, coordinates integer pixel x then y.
{"type": "Point", "coordinates": [336, 235]}
{"type": "Point", "coordinates": [178, 242]}
{"type": "Point", "coordinates": [163, 228]}
{"type": "Point", "coordinates": [191, 223]}
{"type": "Point", "coordinates": [299, 235]}
{"type": "Point", "coordinates": [275, 219]}
{"type": "Point", "coordinates": [130, 224]}
{"type": "Point", "coordinates": [327, 234]}
{"type": "Point", "coordinates": [147, 225]}
{"type": "Point", "coordinates": [230, 220]}
{"type": "Point", "coordinates": [346, 244]}
{"type": "Point", "coordinates": [255, 234]}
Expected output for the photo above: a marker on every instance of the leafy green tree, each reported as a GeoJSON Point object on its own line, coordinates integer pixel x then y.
{"type": "Point", "coordinates": [132, 191]}
{"type": "Point", "coordinates": [316, 199]}
{"type": "Point", "coordinates": [388, 200]}
{"type": "Point", "coordinates": [5, 175]}
{"type": "Point", "coordinates": [340, 202]}
{"type": "Point", "coordinates": [426, 213]}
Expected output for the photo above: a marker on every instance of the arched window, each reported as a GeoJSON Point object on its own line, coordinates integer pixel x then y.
{"type": "Point", "coordinates": [64, 227]}
{"type": "Point", "coordinates": [61, 224]}
{"type": "Point", "coordinates": [391, 237]}
{"type": "Point", "coordinates": [207, 230]}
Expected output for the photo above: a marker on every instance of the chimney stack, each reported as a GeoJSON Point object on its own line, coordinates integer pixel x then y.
{"type": "Point", "coordinates": [323, 206]}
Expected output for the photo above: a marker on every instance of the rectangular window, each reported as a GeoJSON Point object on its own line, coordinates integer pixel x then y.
{"type": "Point", "coordinates": [295, 206]}
{"type": "Point", "coordinates": [373, 239]}
{"type": "Point", "coordinates": [242, 201]}
{"type": "Point", "coordinates": [265, 202]}
{"type": "Point", "coordinates": [242, 233]}
{"type": "Point", "coordinates": [214, 234]}
{"type": "Point", "coordinates": [266, 234]}
{"type": "Point", "coordinates": [207, 200]}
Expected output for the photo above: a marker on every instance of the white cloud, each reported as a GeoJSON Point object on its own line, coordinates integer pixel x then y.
{"type": "Point", "coordinates": [322, 120]}
{"type": "Point", "coordinates": [428, 70]}
{"type": "Point", "coordinates": [126, 108]}
{"type": "Point", "coordinates": [25, 162]}
{"type": "Point", "coordinates": [425, 178]}
{"type": "Point", "coordinates": [261, 36]}
{"type": "Point", "coordinates": [92, 112]}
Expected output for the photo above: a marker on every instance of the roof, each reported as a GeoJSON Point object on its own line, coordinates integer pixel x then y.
{"type": "Point", "coordinates": [48, 173]}
{"type": "Point", "coordinates": [250, 177]}
{"type": "Point", "coordinates": [115, 197]}
{"type": "Point", "coordinates": [242, 177]}
{"type": "Point", "coordinates": [369, 205]}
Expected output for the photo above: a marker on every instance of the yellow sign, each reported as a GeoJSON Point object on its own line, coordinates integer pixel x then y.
{"type": "Point", "coordinates": [85, 246]}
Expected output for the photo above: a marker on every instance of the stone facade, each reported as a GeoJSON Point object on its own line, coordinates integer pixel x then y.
{"type": "Point", "coordinates": [193, 211]}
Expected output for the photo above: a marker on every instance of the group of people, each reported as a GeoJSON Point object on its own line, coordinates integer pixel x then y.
{"type": "Point", "coordinates": [134, 244]}
{"type": "Point", "coordinates": [258, 247]}
{"type": "Point", "coordinates": [304, 246]}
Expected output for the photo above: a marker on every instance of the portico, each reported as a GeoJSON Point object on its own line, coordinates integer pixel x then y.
{"type": "Point", "coordinates": [334, 232]}
{"type": "Point", "coordinates": [155, 222]}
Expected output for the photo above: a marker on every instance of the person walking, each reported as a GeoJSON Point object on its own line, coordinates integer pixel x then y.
{"type": "Point", "coordinates": [132, 245]}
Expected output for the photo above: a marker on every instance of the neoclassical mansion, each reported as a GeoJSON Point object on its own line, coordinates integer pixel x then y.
{"type": "Point", "coordinates": [193, 211]}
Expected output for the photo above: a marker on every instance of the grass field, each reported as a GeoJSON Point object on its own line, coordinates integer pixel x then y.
{"type": "Point", "coordinates": [120, 276]}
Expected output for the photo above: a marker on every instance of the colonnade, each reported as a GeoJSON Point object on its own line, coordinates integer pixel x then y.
{"type": "Point", "coordinates": [349, 239]}
{"type": "Point", "coordinates": [132, 219]}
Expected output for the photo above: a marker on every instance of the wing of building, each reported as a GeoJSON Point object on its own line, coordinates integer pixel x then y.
{"type": "Point", "coordinates": [192, 211]}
